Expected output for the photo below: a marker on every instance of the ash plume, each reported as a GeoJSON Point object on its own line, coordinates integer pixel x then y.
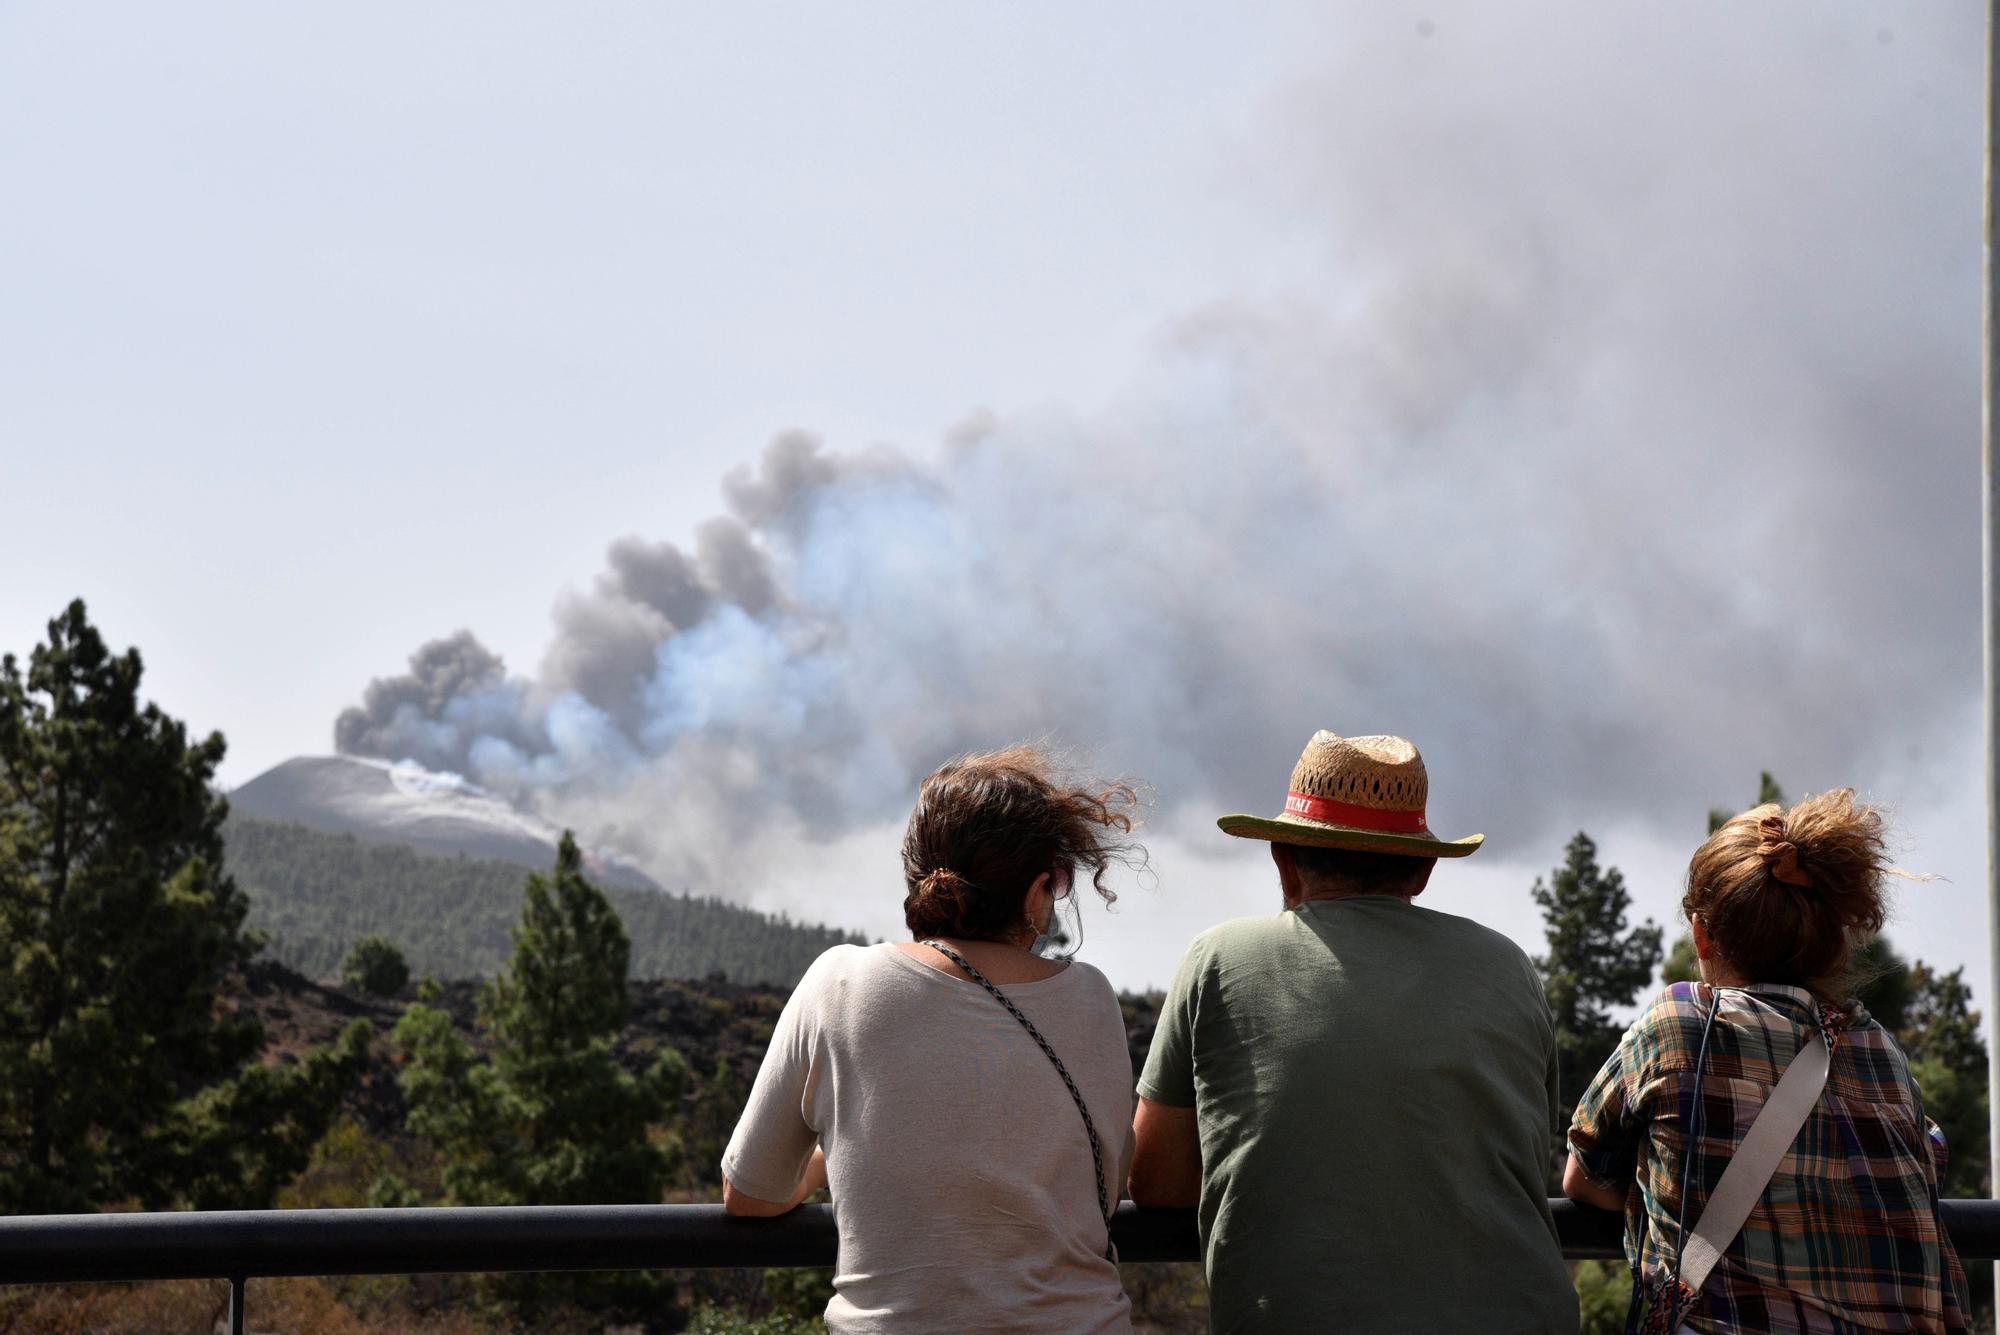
{"type": "Point", "coordinates": [1627, 446]}
{"type": "Point", "coordinates": [456, 690]}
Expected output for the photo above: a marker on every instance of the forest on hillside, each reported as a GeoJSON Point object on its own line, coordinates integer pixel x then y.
{"type": "Point", "coordinates": [314, 894]}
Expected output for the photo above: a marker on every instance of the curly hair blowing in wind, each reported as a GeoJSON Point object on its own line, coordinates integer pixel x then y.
{"type": "Point", "coordinates": [987, 825]}
{"type": "Point", "coordinates": [1788, 896]}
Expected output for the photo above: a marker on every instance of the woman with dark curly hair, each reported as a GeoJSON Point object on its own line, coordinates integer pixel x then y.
{"type": "Point", "coordinates": [967, 1101]}
{"type": "Point", "coordinates": [1760, 1130]}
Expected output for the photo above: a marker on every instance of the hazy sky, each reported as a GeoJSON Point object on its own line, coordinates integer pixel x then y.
{"type": "Point", "coordinates": [1587, 390]}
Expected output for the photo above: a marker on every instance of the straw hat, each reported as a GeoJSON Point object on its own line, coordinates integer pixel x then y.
{"type": "Point", "coordinates": [1363, 793]}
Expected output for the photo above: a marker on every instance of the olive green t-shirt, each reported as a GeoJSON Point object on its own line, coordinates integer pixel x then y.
{"type": "Point", "coordinates": [1374, 1085]}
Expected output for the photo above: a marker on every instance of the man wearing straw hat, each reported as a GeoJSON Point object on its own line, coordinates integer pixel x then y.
{"type": "Point", "coordinates": [1358, 1093]}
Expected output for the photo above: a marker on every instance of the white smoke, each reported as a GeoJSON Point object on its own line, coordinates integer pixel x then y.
{"type": "Point", "coordinates": [1626, 447]}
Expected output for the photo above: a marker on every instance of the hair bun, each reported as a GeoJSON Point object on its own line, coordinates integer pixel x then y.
{"type": "Point", "coordinates": [942, 880]}
{"type": "Point", "coordinates": [1780, 854]}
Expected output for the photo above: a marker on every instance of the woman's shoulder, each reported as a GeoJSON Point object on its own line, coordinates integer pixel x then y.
{"type": "Point", "coordinates": [1670, 1023]}
{"type": "Point", "coordinates": [1091, 991]}
{"type": "Point", "coordinates": [1089, 979]}
{"type": "Point", "coordinates": [1680, 1000]}
{"type": "Point", "coordinates": [846, 955]}
{"type": "Point", "coordinates": [842, 964]}
{"type": "Point", "coordinates": [1866, 1041]}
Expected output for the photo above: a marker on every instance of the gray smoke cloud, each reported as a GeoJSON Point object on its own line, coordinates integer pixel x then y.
{"type": "Point", "coordinates": [456, 689]}
{"type": "Point", "coordinates": [1625, 444]}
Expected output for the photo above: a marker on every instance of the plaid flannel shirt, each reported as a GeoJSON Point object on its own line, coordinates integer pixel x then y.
{"type": "Point", "coordinates": [1846, 1238]}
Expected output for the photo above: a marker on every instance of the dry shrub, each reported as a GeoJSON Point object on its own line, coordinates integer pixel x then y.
{"type": "Point", "coordinates": [315, 1307]}
{"type": "Point", "coordinates": [1168, 1297]}
{"type": "Point", "coordinates": [350, 1162]}
{"type": "Point", "coordinates": [114, 1309]}
{"type": "Point", "coordinates": [301, 1306]}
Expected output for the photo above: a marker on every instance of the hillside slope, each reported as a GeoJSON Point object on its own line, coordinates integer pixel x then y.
{"type": "Point", "coordinates": [312, 893]}
{"type": "Point", "coordinates": [440, 814]}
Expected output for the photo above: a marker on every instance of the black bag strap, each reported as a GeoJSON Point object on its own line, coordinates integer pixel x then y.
{"type": "Point", "coordinates": [1089, 1127]}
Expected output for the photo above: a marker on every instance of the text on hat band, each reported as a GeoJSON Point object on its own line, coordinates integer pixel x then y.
{"type": "Point", "coordinates": [1329, 812]}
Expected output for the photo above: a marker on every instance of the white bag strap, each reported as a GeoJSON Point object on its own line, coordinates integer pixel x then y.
{"type": "Point", "coordinates": [1756, 1160]}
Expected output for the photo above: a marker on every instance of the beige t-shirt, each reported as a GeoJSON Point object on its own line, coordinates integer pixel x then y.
{"type": "Point", "coordinates": [961, 1176]}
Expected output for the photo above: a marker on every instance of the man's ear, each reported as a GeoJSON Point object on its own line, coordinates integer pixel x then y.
{"type": "Point", "coordinates": [1430, 865]}
{"type": "Point", "coordinates": [1288, 872]}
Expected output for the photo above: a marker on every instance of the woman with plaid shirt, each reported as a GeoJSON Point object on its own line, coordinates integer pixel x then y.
{"type": "Point", "coordinates": [1846, 1238]}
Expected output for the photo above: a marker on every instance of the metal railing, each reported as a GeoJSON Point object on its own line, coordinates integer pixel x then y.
{"type": "Point", "coordinates": [241, 1245]}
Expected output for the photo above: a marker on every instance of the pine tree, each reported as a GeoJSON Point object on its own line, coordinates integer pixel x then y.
{"type": "Point", "coordinates": [375, 965]}
{"type": "Point", "coordinates": [1947, 1051]}
{"type": "Point", "coordinates": [1681, 965]}
{"type": "Point", "coordinates": [564, 985]}
{"type": "Point", "coordinates": [718, 1105]}
{"type": "Point", "coordinates": [1940, 1022]}
{"type": "Point", "coordinates": [244, 1139]}
{"type": "Point", "coordinates": [1768, 792]}
{"type": "Point", "coordinates": [117, 928]}
{"type": "Point", "coordinates": [1880, 978]}
{"type": "Point", "coordinates": [1594, 961]}
{"type": "Point", "coordinates": [550, 1117]}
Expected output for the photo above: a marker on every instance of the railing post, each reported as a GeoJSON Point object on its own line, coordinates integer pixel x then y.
{"type": "Point", "coordinates": [237, 1285]}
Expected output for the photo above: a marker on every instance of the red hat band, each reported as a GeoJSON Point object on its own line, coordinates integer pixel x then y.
{"type": "Point", "coordinates": [1329, 812]}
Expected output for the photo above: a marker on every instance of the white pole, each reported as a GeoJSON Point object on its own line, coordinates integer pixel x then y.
{"type": "Point", "coordinates": [1989, 383]}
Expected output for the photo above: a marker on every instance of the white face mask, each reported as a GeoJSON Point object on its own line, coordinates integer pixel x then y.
{"type": "Point", "coordinates": [1060, 887]}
